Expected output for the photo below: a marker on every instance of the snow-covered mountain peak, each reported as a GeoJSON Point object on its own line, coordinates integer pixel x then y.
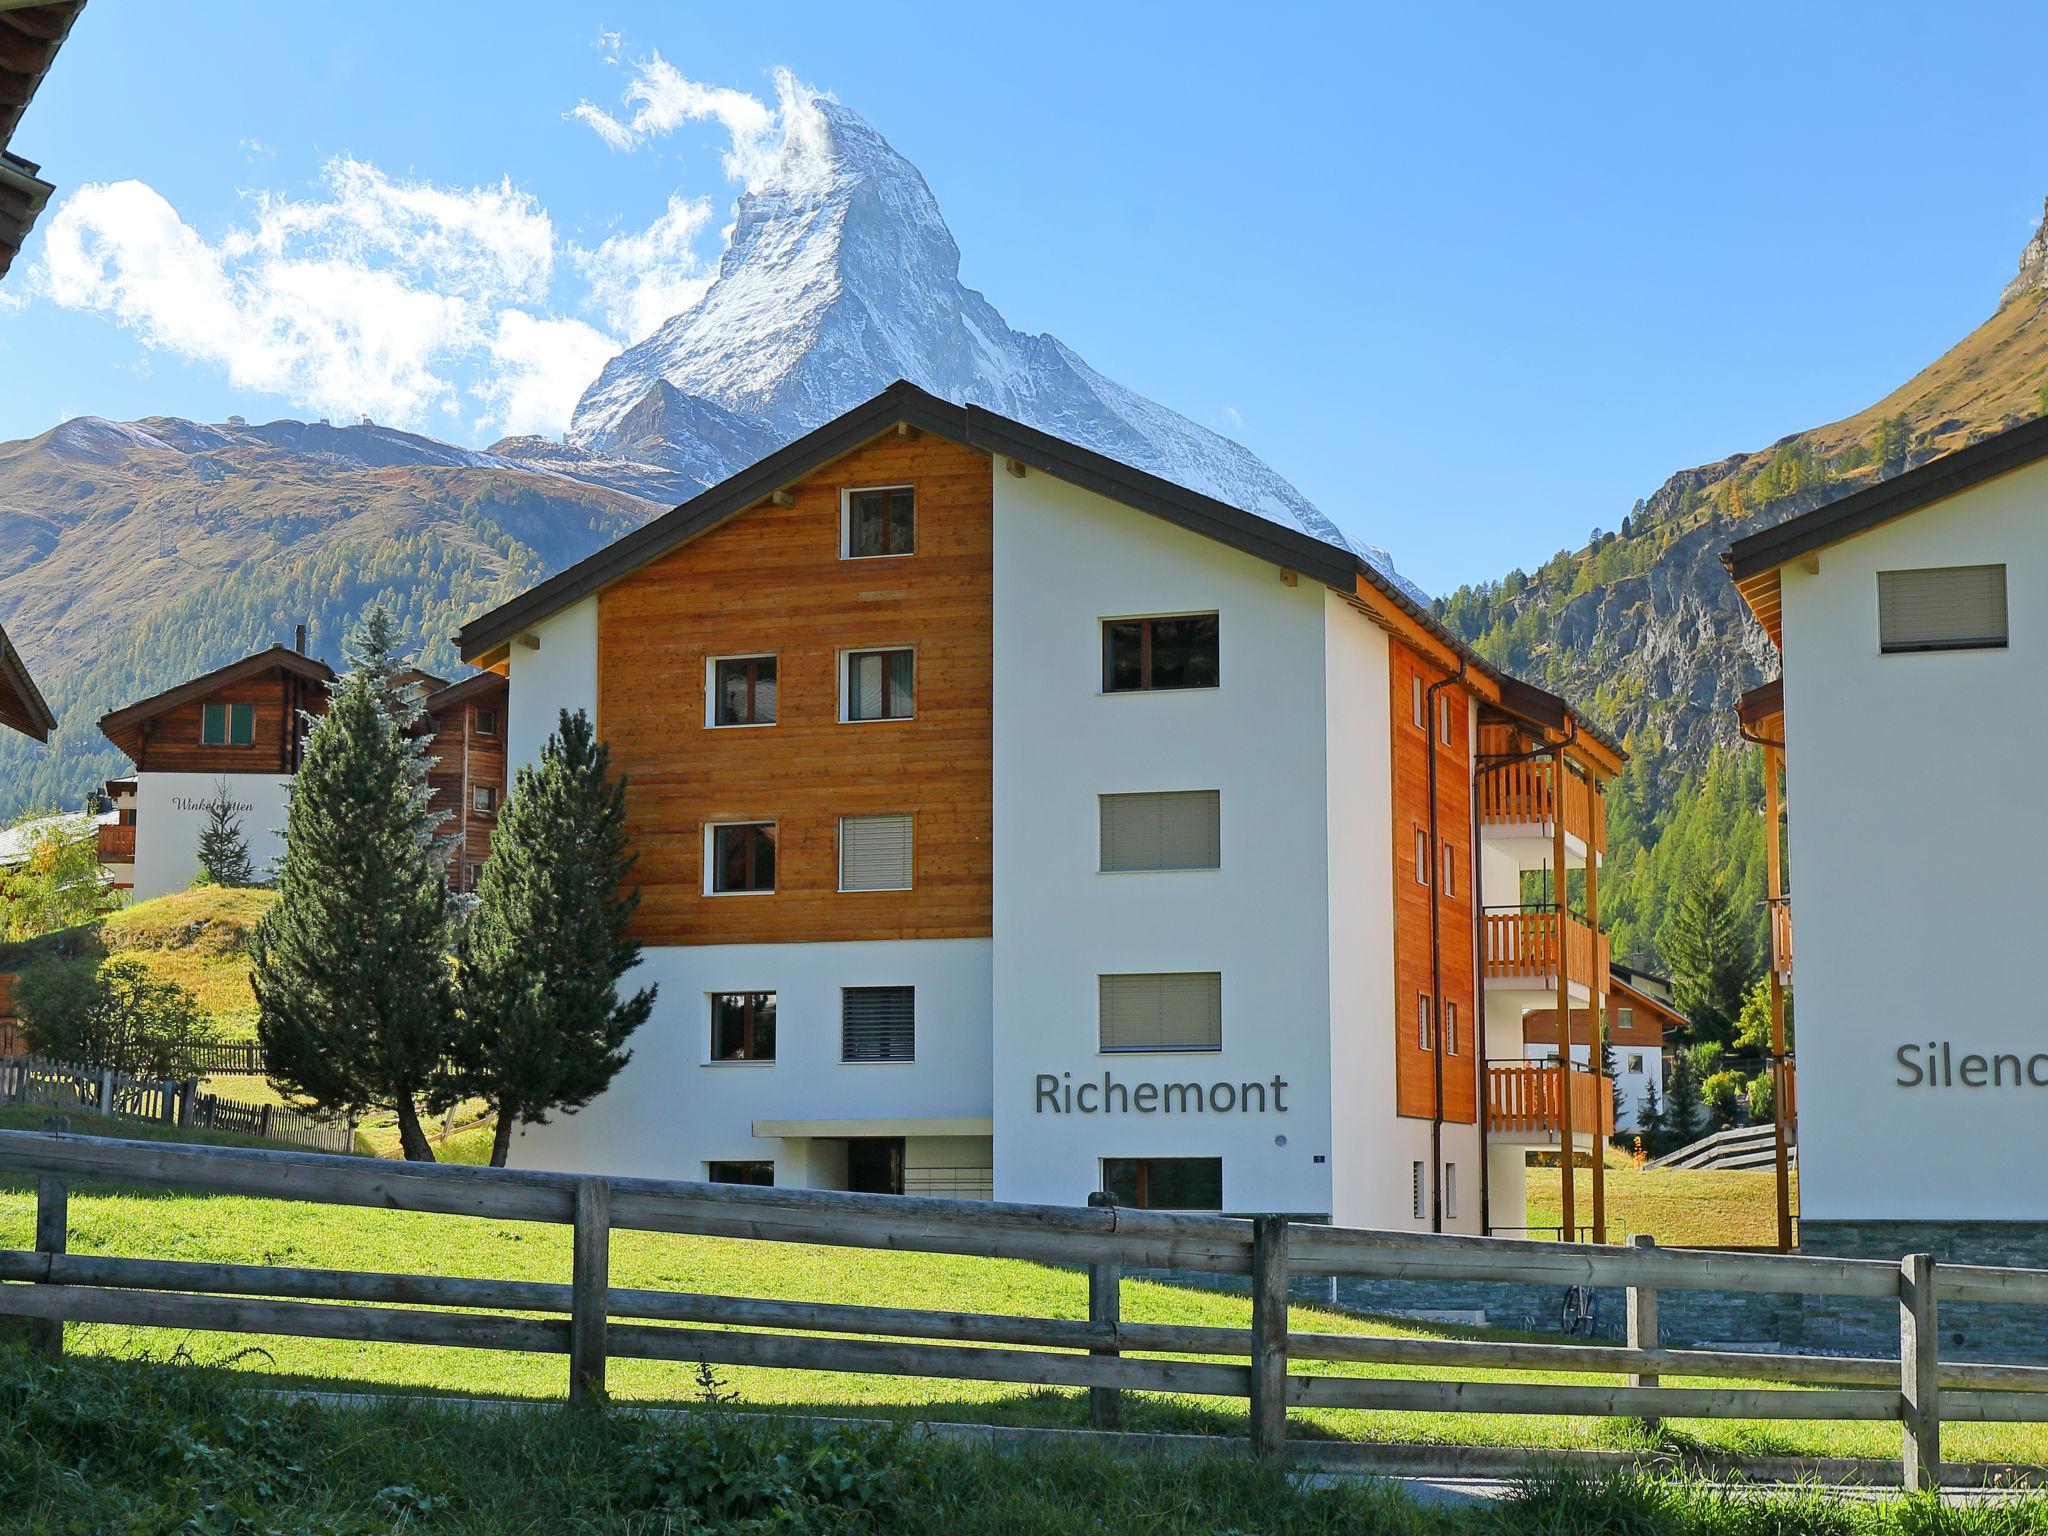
{"type": "Point", "coordinates": [841, 277]}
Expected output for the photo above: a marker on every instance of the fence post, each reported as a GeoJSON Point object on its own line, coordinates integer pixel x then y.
{"type": "Point", "coordinates": [263, 1124]}
{"type": "Point", "coordinates": [53, 1211]}
{"type": "Point", "coordinates": [1105, 1308]}
{"type": "Point", "coordinates": [106, 1090]}
{"type": "Point", "coordinates": [167, 1103]}
{"type": "Point", "coordinates": [1919, 1373]}
{"type": "Point", "coordinates": [589, 1278]}
{"type": "Point", "coordinates": [1642, 1322]}
{"type": "Point", "coordinates": [187, 1092]}
{"type": "Point", "coordinates": [1269, 1339]}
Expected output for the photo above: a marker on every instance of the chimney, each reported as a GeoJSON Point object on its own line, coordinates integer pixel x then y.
{"type": "Point", "coordinates": [299, 639]}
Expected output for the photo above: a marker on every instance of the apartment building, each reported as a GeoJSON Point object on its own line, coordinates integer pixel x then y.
{"type": "Point", "coordinates": [1918, 1034]}
{"type": "Point", "coordinates": [1010, 821]}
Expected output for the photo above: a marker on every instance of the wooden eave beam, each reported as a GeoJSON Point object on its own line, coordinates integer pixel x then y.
{"type": "Point", "coordinates": [1418, 637]}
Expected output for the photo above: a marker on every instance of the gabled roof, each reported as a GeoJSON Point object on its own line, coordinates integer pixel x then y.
{"type": "Point", "coordinates": [1753, 561]}
{"type": "Point", "coordinates": [973, 426]}
{"type": "Point", "coordinates": [22, 705]}
{"type": "Point", "coordinates": [122, 726]}
{"type": "Point", "coordinates": [479, 685]}
{"type": "Point", "coordinates": [30, 36]}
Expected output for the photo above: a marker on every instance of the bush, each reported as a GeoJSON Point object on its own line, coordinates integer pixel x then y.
{"type": "Point", "coordinates": [1723, 1095]}
{"type": "Point", "coordinates": [1761, 1091]}
{"type": "Point", "coordinates": [111, 1013]}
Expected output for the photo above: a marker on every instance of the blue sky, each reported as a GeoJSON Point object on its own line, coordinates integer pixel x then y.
{"type": "Point", "coordinates": [1474, 278]}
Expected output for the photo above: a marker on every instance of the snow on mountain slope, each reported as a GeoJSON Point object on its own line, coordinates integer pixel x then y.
{"type": "Point", "coordinates": [842, 277]}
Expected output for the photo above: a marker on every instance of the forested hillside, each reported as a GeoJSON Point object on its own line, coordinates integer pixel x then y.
{"type": "Point", "coordinates": [1642, 627]}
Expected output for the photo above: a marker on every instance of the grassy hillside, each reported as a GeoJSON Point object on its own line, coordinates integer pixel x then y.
{"type": "Point", "coordinates": [1680, 1207]}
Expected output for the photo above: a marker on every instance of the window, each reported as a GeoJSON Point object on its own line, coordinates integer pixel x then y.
{"type": "Point", "coordinates": [1450, 1028]}
{"type": "Point", "coordinates": [128, 817]}
{"type": "Point", "coordinates": [487, 722]}
{"type": "Point", "coordinates": [1421, 709]}
{"type": "Point", "coordinates": [1450, 1191]}
{"type": "Point", "coordinates": [739, 1173]}
{"type": "Point", "coordinates": [742, 690]}
{"type": "Point", "coordinates": [472, 873]}
{"type": "Point", "coordinates": [1954, 608]}
{"type": "Point", "coordinates": [881, 522]}
{"type": "Point", "coordinates": [1421, 1205]}
{"type": "Point", "coordinates": [227, 725]}
{"type": "Point", "coordinates": [1421, 857]}
{"type": "Point", "coordinates": [1422, 1021]}
{"type": "Point", "coordinates": [1443, 718]}
{"type": "Point", "coordinates": [742, 857]}
{"type": "Point", "coordinates": [877, 1023]}
{"type": "Point", "coordinates": [1625, 1018]}
{"type": "Point", "coordinates": [874, 853]}
{"type": "Point", "coordinates": [880, 685]}
{"type": "Point", "coordinates": [483, 798]}
{"type": "Point", "coordinates": [1450, 873]}
{"type": "Point", "coordinates": [1165, 1183]}
{"type": "Point", "coordinates": [1635, 1061]}
{"type": "Point", "coordinates": [1174, 829]}
{"type": "Point", "coordinates": [743, 1026]}
{"type": "Point", "coordinates": [1163, 1011]}
{"type": "Point", "coordinates": [1143, 655]}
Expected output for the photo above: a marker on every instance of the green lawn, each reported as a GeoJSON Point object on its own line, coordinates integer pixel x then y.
{"type": "Point", "coordinates": [221, 1228]}
{"type": "Point", "coordinates": [1680, 1207]}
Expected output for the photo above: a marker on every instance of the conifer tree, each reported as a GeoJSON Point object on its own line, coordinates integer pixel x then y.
{"type": "Point", "coordinates": [1711, 945]}
{"type": "Point", "coordinates": [1611, 1070]}
{"type": "Point", "coordinates": [223, 851]}
{"type": "Point", "coordinates": [542, 1025]}
{"type": "Point", "coordinates": [1650, 1114]}
{"type": "Point", "coordinates": [354, 995]}
{"type": "Point", "coordinates": [1682, 1104]}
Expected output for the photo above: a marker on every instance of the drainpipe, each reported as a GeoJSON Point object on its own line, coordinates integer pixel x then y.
{"type": "Point", "coordinates": [1436, 960]}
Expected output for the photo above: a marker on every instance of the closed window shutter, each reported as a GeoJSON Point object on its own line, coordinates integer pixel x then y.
{"type": "Point", "coordinates": [874, 853]}
{"type": "Point", "coordinates": [1957, 607]}
{"type": "Point", "coordinates": [1171, 1011]}
{"type": "Point", "coordinates": [877, 1023]}
{"type": "Point", "coordinates": [1177, 829]}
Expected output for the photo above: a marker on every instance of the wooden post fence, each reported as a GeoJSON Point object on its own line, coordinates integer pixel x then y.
{"type": "Point", "coordinates": [1269, 1339]}
{"type": "Point", "coordinates": [1919, 1373]}
{"type": "Point", "coordinates": [53, 1227]}
{"type": "Point", "coordinates": [589, 1282]}
{"type": "Point", "coordinates": [1642, 1322]}
{"type": "Point", "coordinates": [1105, 1310]}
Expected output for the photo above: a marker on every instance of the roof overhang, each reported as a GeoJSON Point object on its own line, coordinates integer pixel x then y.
{"type": "Point", "coordinates": [123, 727]}
{"type": "Point", "coordinates": [30, 35]}
{"type": "Point", "coordinates": [480, 686]}
{"type": "Point", "coordinates": [22, 705]}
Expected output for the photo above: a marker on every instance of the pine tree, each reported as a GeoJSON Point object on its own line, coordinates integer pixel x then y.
{"type": "Point", "coordinates": [223, 851]}
{"type": "Point", "coordinates": [1711, 946]}
{"type": "Point", "coordinates": [1682, 1105]}
{"type": "Point", "coordinates": [1650, 1114]}
{"type": "Point", "coordinates": [542, 1025]}
{"type": "Point", "coordinates": [1611, 1070]}
{"type": "Point", "coordinates": [355, 1003]}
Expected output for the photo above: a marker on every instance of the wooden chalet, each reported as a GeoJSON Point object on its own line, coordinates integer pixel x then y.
{"type": "Point", "coordinates": [240, 718]}
{"type": "Point", "coordinates": [469, 776]}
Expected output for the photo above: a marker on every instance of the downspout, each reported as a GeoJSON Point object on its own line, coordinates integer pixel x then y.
{"type": "Point", "coordinates": [1436, 959]}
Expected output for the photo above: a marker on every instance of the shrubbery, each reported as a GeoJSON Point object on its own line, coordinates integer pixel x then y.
{"type": "Point", "coordinates": [111, 1013]}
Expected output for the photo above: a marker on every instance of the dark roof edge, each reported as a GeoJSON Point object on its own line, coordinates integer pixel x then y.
{"type": "Point", "coordinates": [463, 688]}
{"type": "Point", "coordinates": [15, 670]}
{"type": "Point", "coordinates": [1761, 702]}
{"type": "Point", "coordinates": [272, 656]}
{"type": "Point", "coordinates": [1986, 459]}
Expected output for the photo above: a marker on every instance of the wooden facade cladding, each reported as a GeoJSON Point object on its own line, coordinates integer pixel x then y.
{"type": "Point", "coordinates": [467, 757]}
{"type": "Point", "coordinates": [772, 581]}
{"type": "Point", "coordinates": [170, 742]}
{"type": "Point", "coordinates": [1644, 1029]}
{"type": "Point", "coordinates": [1414, 1066]}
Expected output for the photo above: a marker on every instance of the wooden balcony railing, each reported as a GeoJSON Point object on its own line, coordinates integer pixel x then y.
{"type": "Point", "coordinates": [1525, 1098]}
{"type": "Point", "coordinates": [1780, 908]}
{"type": "Point", "coordinates": [117, 844]}
{"type": "Point", "coordinates": [1521, 944]}
{"type": "Point", "coordinates": [1519, 794]}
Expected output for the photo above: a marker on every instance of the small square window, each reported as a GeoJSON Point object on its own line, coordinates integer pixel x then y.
{"type": "Point", "coordinates": [743, 1026]}
{"type": "Point", "coordinates": [227, 725]}
{"type": "Point", "coordinates": [875, 853]}
{"type": "Point", "coordinates": [483, 798]}
{"type": "Point", "coordinates": [743, 690]}
{"type": "Point", "coordinates": [1152, 655]}
{"type": "Point", "coordinates": [878, 1024]}
{"type": "Point", "coordinates": [486, 722]}
{"type": "Point", "coordinates": [742, 857]}
{"type": "Point", "coordinates": [1634, 1061]}
{"type": "Point", "coordinates": [881, 685]}
{"type": "Point", "coordinates": [881, 522]}
{"type": "Point", "coordinates": [739, 1173]}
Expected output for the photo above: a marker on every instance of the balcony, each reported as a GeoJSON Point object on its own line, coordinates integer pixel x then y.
{"type": "Point", "coordinates": [117, 843]}
{"type": "Point", "coordinates": [1522, 948]}
{"type": "Point", "coordinates": [1523, 796]}
{"type": "Point", "coordinates": [1780, 908]}
{"type": "Point", "coordinates": [1525, 1102]}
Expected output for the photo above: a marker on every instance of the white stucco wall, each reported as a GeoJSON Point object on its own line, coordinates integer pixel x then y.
{"type": "Point", "coordinates": [1066, 559]}
{"type": "Point", "coordinates": [673, 1109]}
{"type": "Point", "coordinates": [561, 674]}
{"type": "Point", "coordinates": [1916, 844]}
{"type": "Point", "coordinates": [170, 813]}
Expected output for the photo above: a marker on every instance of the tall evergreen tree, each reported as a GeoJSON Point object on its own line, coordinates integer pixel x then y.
{"type": "Point", "coordinates": [223, 851]}
{"type": "Point", "coordinates": [1611, 1070]}
{"type": "Point", "coordinates": [1711, 945]}
{"type": "Point", "coordinates": [355, 1000]}
{"type": "Point", "coordinates": [1650, 1115]}
{"type": "Point", "coordinates": [1682, 1104]}
{"type": "Point", "coordinates": [542, 1025]}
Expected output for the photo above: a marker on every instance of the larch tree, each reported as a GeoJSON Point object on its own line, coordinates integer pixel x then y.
{"type": "Point", "coordinates": [354, 992]}
{"type": "Point", "coordinates": [542, 1025]}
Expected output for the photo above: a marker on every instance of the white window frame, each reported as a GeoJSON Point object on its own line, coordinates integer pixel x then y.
{"type": "Point", "coordinates": [1450, 1028]}
{"type": "Point", "coordinates": [711, 692]}
{"type": "Point", "coordinates": [1450, 872]}
{"type": "Point", "coordinates": [1419, 1179]}
{"type": "Point", "coordinates": [489, 792]}
{"type": "Point", "coordinates": [1421, 709]}
{"type": "Point", "coordinates": [871, 890]}
{"type": "Point", "coordinates": [1633, 1062]}
{"type": "Point", "coordinates": [846, 495]}
{"type": "Point", "coordinates": [1421, 856]}
{"type": "Point", "coordinates": [1443, 718]}
{"type": "Point", "coordinates": [1424, 1037]}
{"type": "Point", "coordinates": [845, 693]}
{"type": "Point", "coordinates": [711, 853]}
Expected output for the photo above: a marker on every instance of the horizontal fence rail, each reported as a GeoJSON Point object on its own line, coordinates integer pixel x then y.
{"type": "Point", "coordinates": [590, 1320]}
{"type": "Point", "coordinates": [102, 1091]}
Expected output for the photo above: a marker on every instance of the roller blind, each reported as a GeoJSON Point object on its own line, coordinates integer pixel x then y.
{"type": "Point", "coordinates": [1170, 1011]}
{"type": "Point", "coordinates": [1177, 829]}
{"type": "Point", "coordinates": [1956, 607]}
{"type": "Point", "coordinates": [874, 853]}
{"type": "Point", "coordinates": [877, 1023]}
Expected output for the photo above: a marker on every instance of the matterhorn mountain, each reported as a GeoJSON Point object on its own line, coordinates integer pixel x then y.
{"type": "Point", "coordinates": [842, 277]}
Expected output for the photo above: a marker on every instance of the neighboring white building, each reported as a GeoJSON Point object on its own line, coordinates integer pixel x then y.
{"type": "Point", "coordinates": [1923, 1056]}
{"type": "Point", "coordinates": [1013, 822]}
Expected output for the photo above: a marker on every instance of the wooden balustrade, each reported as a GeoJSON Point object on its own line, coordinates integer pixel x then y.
{"type": "Point", "coordinates": [1522, 945]}
{"type": "Point", "coordinates": [1517, 794]}
{"type": "Point", "coordinates": [1526, 1098]}
{"type": "Point", "coordinates": [117, 843]}
{"type": "Point", "coordinates": [1780, 908]}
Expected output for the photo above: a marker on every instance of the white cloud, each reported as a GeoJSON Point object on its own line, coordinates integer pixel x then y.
{"type": "Point", "coordinates": [638, 280]}
{"type": "Point", "coordinates": [377, 298]}
{"type": "Point", "coordinates": [762, 138]}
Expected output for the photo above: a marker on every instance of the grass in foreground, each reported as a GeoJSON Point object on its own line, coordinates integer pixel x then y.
{"type": "Point", "coordinates": [151, 1447]}
{"type": "Point", "coordinates": [1680, 1207]}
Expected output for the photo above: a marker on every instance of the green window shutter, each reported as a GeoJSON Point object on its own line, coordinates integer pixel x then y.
{"type": "Point", "coordinates": [241, 725]}
{"type": "Point", "coordinates": [213, 725]}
